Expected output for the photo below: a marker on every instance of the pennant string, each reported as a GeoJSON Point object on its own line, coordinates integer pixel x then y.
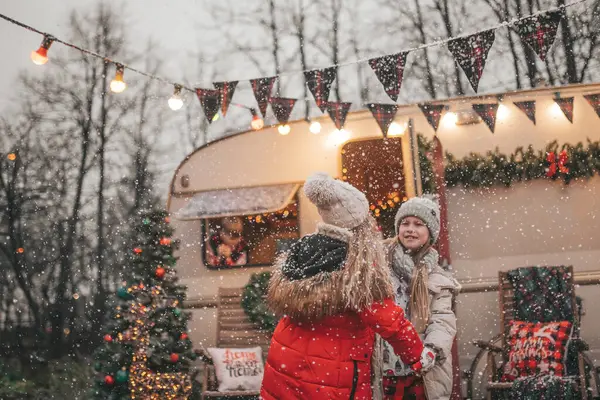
{"type": "Point", "coordinates": [285, 73]}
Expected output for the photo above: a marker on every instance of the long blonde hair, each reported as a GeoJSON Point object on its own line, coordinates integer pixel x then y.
{"type": "Point", "coordinates": [365, 274]}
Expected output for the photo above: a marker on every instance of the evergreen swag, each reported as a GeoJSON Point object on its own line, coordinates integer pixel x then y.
{"type": "Point", "coordinates": [495, 168]}
{"type": "Point", "coordinates": [254, 304]}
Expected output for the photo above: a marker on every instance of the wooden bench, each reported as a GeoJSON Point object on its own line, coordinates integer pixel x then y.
{"type": "Point", "coordinates": [234, 330]}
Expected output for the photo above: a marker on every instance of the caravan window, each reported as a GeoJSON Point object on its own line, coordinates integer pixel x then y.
{"type": "Point", "coordinates": [249, 240]}
{"type": "Point", "coordinates": [375, 167]}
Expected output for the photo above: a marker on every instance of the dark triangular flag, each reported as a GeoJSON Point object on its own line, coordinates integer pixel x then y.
{"type": "Point", "coordinates": [338, 112]}
{"type": "Point", "coordinates": [226, 89]}
{"type": "Point", "coordinates": [539, 31]}
{"type": "Point", "coordinates": [528, 107]}
{"type": "Point", "coordinates": [471, 52]}
{"type": "Point", "coordinates": [210, 100]}
{"type": "Point", "coordinates": [319, 83]}
{"type": "Point", "coordinates": [384, 115]}
{"type": "Point", "coordinates": [282, 108]}
{"type": "Point", "coordinates": [566, 105]}
{"type": "Point", "coordinates": [433, 113]}
{"type": "Point", "coordinates": [262, 92]}
{"type": "Point", "coordinates": [594, 100]}
{"type": "Point", "coordinates": [389, 71]}
{"type": "Point", "coordinates": [487, 112]}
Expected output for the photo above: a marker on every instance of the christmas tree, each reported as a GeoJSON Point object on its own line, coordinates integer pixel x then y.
{"type": "Point", "coordinates": [146, 352]}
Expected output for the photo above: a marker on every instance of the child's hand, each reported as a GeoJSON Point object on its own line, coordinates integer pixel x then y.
{"type": "Point", "coordinates": [426, 362]}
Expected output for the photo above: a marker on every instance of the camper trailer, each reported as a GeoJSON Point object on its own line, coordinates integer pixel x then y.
{"type": "Point", "coordinates": [246, 188]}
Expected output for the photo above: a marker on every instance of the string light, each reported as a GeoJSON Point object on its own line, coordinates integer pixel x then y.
{"type": "Point", "coordinates": [284, 129]}
{"type": "Point", "coordinates": [175, 102]}
{"type": "Point", "coordinates": [315, 127]}
{"type": "Point", "coordinates": [40, 56]}
{"type": "Point", "coordinates": [118, 85]}
{"type": "Point", "coordinates": [396, 129]}
{"type": "Point", "coordinates": [257, 122]}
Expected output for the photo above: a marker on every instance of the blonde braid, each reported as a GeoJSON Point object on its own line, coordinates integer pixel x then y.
{"type": "Point", "coordinates": [419, 292]}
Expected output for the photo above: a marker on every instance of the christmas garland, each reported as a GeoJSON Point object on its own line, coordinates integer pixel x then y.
{"type": "Point", "coordinates": [254, 304]}
{"type": "Point", "coordinates": [566, 162]}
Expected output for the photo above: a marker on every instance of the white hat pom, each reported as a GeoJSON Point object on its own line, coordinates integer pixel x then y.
{"type": "Point", "coordinates": [320, 189]}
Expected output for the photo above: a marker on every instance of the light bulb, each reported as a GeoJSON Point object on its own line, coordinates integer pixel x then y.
{"type": "Point", "coordinates": [284, 129]}
{"type": "Point", "coordinates": [338, 137]}
{"type": "Point", "coordinates": [118, 85]}
{"type": "Point", "coordinates": [257, 122]}
{"type": "Point", "coordinates": [40, 56]}
{"type": "Point", "coordinates": [175, 102]}
{"type": "Point", "coordinates": [449, 119]}
{"type": "Point", "coordinates": [396, 129]}
{"type": "Point", "coordinates": [502, 113]}
{"type": "Point", "coordinates": [315, 127]}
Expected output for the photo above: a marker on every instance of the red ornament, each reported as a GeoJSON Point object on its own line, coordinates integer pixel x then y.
{"type": "Point", "coordinates": [137, 250]}
{"type": "Point", "coordinates": [109, 380]}
{"type": "Point", "coordinates": [557, 164]}
{"type": "Point", "coordinates": [160, 272]}
{"type": "Point", "coordinates": [184, 336]}
{"type": "Point", "coordinates": [165, 241]}
{"type": "Point", "coordinates": [108, 338]}
{"type": "Point", "coordinates": [174, 357]}
{"type": "Point", "coordinates": [167, 220]}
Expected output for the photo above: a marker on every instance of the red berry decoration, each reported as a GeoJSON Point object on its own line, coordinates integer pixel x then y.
{"type": "Point", "coordinates": [174, 357]}
{"type": "Point", "coordinates": [108, 338]}
{"type": "Point", "coordinates": [160, 272]}
{"type": "Point", "coordinates": [184, 336]}
{"type": "Point", "coordinates": [137, 250]}
{"type": "Point", "coordinates": [165, 241]}
{"type": "Point", "coordinates": [109, 380]}
{"type": "Point", "coordinates": [167, 220]}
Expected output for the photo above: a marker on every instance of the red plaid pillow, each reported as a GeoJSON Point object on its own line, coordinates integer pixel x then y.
{"type": "Point", "coordinates": [536, 348]}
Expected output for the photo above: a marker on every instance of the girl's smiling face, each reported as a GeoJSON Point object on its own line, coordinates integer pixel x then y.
{"type": "Point", "coordinates": [413, 233]}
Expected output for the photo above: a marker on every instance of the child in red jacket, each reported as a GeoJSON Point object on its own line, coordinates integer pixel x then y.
{"type": "Point", "coordinates": [334, 293]}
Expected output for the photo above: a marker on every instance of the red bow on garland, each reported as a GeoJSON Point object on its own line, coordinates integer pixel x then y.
{"type": "Point", "coordinates": [560, 164]}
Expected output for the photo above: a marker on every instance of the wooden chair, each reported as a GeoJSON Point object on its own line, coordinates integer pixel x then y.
{"type": "Point", "coordinates": [234, 330]}
{"type": "Point", "coordinates": [511, 309]}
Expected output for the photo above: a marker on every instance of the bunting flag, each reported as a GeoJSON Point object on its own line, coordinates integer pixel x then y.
{"type": "Point", "coordinates": [433, 113]}
{"type": "Point", "coordinates": [594, 100]}
{"type": "Point", "coordinates": [566, 105]}
{"type": "Point", "coordinates": [528, 107]}
{"type": "Point", "coordinates": [210, 100]}
{"type": "Point", "coordinates": [262, 88]}
{"type": "Point", "coordinates": [539, 31]}
{"type": "Point", "coordinates": [226, 89]}
{"type": "Point", "coordinates": [487, 112]}
{"type": "Point", "coordinates": [389, 71]}
{"type": "Point", "coordinates": [319, 83]}
{"type": "Point", "coordinates": [384, 115]}
{"type": "Point", "coordinates": [338, 112]}
{"type": "Point", "coordinates": [471, 52]}
{"type": "Point", "coordinates": [282, 108]}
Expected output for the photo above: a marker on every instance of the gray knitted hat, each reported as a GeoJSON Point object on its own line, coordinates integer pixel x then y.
{"type": "Point", "coordinates": [426, 210]}
{"type": "Point", "coordinates": [339, 203]}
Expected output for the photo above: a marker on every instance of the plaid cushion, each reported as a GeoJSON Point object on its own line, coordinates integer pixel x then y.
{"type": "Point", "coordinates": [536, 348]}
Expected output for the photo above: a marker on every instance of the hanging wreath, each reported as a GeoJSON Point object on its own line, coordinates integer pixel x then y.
{"type": "Point", "coordinates": [254, 305]}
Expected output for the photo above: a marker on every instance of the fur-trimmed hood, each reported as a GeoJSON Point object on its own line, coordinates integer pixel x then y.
{"type": "Point", "coordinates": [354, 287]}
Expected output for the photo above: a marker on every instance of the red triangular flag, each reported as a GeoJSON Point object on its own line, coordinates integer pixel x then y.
{"type": "Point", "coordinates": [528, 107]}
{"type": "Point", "coordinates": [210, 100]}
{"type": "Point", "coordinates": [226, 89]}
{"type": "Point", "coordinates": [433, 113]}
{"type": "Point", "coordinates": [319, 83]}
{"type": "Point", "coordinates": [338, 112]}
{"type": "Point", "coordinates": [384, 115]}
{"type": "Point", "coordinates": [262, 92]}
{"type": "Point", "coordinates": [566, 105]}
{"type": "Point", "coordinates": [539, 31]}
{"type": "Point", "coordinates": [471, 52]}
{"type": "Point", "coordinates": [389, 71]}
{"type": "Point", "coordinates": [282, 108]}
{"type": "Point", "coordinates": [487, 112]}
{"type": "Point", "coordinates": [594, 100]}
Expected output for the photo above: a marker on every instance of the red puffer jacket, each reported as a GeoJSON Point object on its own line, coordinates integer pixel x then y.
{"type": "Point", "coordinates": [331, 358]}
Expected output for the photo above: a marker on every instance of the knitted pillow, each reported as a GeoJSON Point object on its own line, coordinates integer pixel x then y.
{"type": "Point", "coordinates": [238, 369]}
{"type": "Point", "coordinates": [536, 348]}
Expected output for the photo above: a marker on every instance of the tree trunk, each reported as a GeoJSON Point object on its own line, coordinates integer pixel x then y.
{"type": "Point", "coordinates": [335, 45]}
{"type": "Point", "coordinates": [275, 39]}
{"type": "Point", "coordinates": [300, 26]}
{"type": "Point", "coordinates": [567, 42]}
{"type": "Point", "coordinates": [430, 86]}
{"type": "Point", "coordinates": [442, 7]}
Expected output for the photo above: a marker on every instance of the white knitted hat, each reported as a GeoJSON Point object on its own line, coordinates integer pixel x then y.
{"type": "Point", "coordinates": [339, 203]}
{"type": "Point", "coordinates": [426, 210]}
